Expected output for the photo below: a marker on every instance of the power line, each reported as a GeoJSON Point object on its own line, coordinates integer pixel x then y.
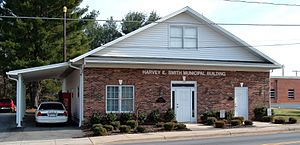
{"type": "Point", "coordinates": [225, 46]}
{"type": "Point", "coordinates": [265, 3]}
{"type": "Point", "coordinates": [170, 22]}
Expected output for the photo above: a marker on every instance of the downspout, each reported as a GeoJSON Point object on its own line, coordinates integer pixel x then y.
{"type": "Point", "coordinates": [17, 101]}
{"type": "Point", "coordinates": [81, 91]}
{"type": "Point", "coordinates": [9, 77]}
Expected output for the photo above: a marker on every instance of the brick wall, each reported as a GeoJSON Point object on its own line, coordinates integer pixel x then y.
{"type": "Point", "coordinates": [281, 86]}
{"type": "Point", "coordinates": [214, 92]}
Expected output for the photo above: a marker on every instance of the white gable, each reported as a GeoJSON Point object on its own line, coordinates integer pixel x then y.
{"type": "Point", "coordinates": [153, 42]}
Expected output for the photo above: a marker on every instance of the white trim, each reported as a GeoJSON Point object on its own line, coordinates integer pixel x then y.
{"type": "Point", "coordinates": [193, 119]}
{"type": "Point", "coordinates": [39, 68]}
{"type": "Point", "coordinates": [120, 98]}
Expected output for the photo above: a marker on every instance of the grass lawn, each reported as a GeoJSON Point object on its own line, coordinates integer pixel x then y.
{"type": "Point", "coordinates": [286, 113]}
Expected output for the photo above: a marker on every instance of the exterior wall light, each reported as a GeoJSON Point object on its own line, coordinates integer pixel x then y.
{"type": "Point", "coordinates": [183, 78]}
{"type": "Point", "coordinates": [120, 82]}
{"type": "Point", "coordinates": [242, 84]}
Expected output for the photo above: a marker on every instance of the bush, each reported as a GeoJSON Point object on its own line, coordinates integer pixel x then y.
{"type": "Point", "coordinates": [108, 127]}
{"type": "Point", "coordinates": [259, 113]}
{"type": "Point", "coordinates": [292, 120]}
{"type": "Point", "coordinates": [140, 129]}
{"type": "Point", "coordinates": [132, 124]}
{"type": "Point", "coordinates": [241, 118]}
{"type": "Point", "coordinates": [236, 122]}
{"type": "Point", "coordinates": [267, 119]}
{"type": "Point", "coordinates": [142, 117]}
{"type": "Point", "coordinates": [169, 126]}
{"type": "Point", "coordinates": [159, 124]}
{"type": "Point", "coordinates": [124, 129]}
{"type": "Point", "coordinates": [116, 124]}
{"type": "Point", "coordinates": [96, 118]}
{"type": "Point", "coordinates": [124, 117]}
{"type": "Point", "coordinates": [248, 122]}
{"type": "Point", "coordinates": [96, 125]}
{"type": "Point", "coordinates": [180, 126]}
{"type": "Point", "coordinates": [211, 120]}
{"type": "Point", "coordinates": [100, 131]}
{"type": "Point", "coordinates": [169, 115]}
{"type": "Point", "coordinates": [229, 115]}
{"type": "Point", "coordinates": [279, 120]}
{"type": "Point", "coordinates": [154, 116]}
{"type": "Point", "coordinates": [220, 124]}
{"type": "Point", "coordinates": [110, 117]}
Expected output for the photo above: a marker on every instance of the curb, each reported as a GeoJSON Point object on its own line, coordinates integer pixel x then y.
{"type": "Point", "coordinates": [180, 135]}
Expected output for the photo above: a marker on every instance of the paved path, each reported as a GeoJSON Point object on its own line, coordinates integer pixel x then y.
{"type": "Point", "coordinates": [9, 132]}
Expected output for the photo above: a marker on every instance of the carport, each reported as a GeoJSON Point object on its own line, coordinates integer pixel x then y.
{"type": "Point", "coordinates": [54, 71]}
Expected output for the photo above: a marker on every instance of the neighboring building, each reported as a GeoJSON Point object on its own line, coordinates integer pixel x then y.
{"type": "Point", "coordinates": [183, 61]}
{"type": "Point", "coordinates": [285, 91]}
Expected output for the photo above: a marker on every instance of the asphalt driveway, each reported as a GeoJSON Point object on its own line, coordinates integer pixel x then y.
{"type": "Point", "coordinates": [9, 132]}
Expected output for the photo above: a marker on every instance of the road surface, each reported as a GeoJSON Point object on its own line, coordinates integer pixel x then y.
{"type": "Point", "coordinates": [271, 139]}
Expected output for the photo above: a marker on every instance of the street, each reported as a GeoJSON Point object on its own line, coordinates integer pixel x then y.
{"type": "Point", "coordinates": [279, 139]}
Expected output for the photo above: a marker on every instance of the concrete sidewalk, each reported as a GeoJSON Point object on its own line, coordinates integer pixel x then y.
{"type": "Point", "coordinates": [201, 132]}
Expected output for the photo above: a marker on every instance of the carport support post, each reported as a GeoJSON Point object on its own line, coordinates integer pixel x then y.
{"type": "Point", "coordinates": [81, 97]}
{"type": "Point", "coordinates": [19, 101]}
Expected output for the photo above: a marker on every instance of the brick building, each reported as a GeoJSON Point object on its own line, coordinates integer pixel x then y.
{"type": "Point", "coordinates": [181, 61]}
{"type": "Point", "coordinates": [285, 90]}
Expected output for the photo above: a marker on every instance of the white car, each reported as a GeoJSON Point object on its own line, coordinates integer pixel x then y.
{"type": "Point", "coordinates": [51, 112]}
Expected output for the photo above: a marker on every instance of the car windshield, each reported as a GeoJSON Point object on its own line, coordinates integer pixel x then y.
{"type": "Point", "coordinates": [51, 106]}
{"type": "Point", "coordinates": [5, 100]}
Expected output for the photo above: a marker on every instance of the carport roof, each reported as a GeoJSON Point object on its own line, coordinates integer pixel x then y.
{"type": "Point", "coordinates": [52, 71]}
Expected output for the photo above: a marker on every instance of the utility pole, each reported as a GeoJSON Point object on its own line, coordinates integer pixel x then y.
{"type": "Point", "coordinates": [65, 32]}
{"type": "Point", "coordinates": [296, 71]}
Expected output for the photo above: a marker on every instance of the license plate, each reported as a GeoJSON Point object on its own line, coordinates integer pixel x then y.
{"type": "Point", "coordinates": [52, 114]}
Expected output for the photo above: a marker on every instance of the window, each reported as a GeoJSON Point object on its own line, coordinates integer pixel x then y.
{"type": "Point", "coordinates": [119, 98]}
{"type": "Point", "coordinates": [183, 37]}
{"type": "Point", "coordinates": [272, 93]}
{"type": "Point", "coordinates": [291, 93]}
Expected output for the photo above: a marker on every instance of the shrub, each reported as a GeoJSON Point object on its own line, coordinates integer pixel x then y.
{"type": "Point", "coordinates": [211, 120]}
{"type": "Point", "coordinates": [96, 125]}
{"type": "Point", "coordinates": [140, 129]}
{"type": "Point", "coordinates": [124, 129]}
{"type": "Point", "coordinates": [279, 120]}
{"type": "Point", "coordinates": [236, 122]}
{"type": "Point", "coordinates": [110, 117]}
{"type": "Point", "coordinates": [169, 126]}
{"type": "Point", "coordinates": [96, 118]}
{"type": "Point", "coordinates": [169, 115]}
{"type": "Point", "coordinates": [229, 115]}
{"type": "Point", "coordinates": [116, 124]}
{"type": "Point", "coordinates": [132, 124]}
{"type": "Point", "coordinates": [180, 126]}
{"type": "Point", "coordinates": [259, 113]}
{"type": "Point", "coordinates": [99, 131]}
{"type": "Point", "coordinates": [267, 119]}
{"type": "Point", "coordinates": [241, 118]}
{"type": "Point", "coordinates": [142, 117]}
{"type": "Point", "coordinates": [248, 122]}
{"type": "Point", "coordinates": [159, 124]}
{"type": "Point", "coordinates": [154, 116]}
{"type": "Point", "coordinates": [108, 127]}
{"type": "Point", "coordinates": [220, 124]}
{"type": "Point", "coordinates": [292, 120]}
{"type": "Point", "coordinates": [124, 117]}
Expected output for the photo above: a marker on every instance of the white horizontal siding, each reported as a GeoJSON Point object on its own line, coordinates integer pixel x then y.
{"type": "Point", "coordinates": [154, 43]}
{"type": "Point", "coordinates": [232, 54]}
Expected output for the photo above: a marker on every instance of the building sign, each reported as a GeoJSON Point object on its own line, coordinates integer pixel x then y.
{"type": "Point", "coordinates": [184, 73]}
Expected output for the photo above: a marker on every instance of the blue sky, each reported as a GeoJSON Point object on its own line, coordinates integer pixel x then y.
{"type": "Point", "coordinates": [221, 11]}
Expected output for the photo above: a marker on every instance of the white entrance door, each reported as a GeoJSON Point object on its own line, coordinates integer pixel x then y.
{"type": "Point", "coordinates": [241, 102]}
{"type": "Point", "coordinates": [183, 101]}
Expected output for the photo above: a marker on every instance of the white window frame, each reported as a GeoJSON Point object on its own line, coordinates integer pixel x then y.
{"type": "Point", "coordinates": [120, 98]}
{"type": "Point", "coordinates": [291, 91]}
{"type": "Point", "coordinates": [272, 91]}
{"type": "Point", "coordinates": [183, 27]}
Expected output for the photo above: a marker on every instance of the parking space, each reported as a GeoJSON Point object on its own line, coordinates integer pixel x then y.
{"type": "Point", "coordinates": [9, 131]}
